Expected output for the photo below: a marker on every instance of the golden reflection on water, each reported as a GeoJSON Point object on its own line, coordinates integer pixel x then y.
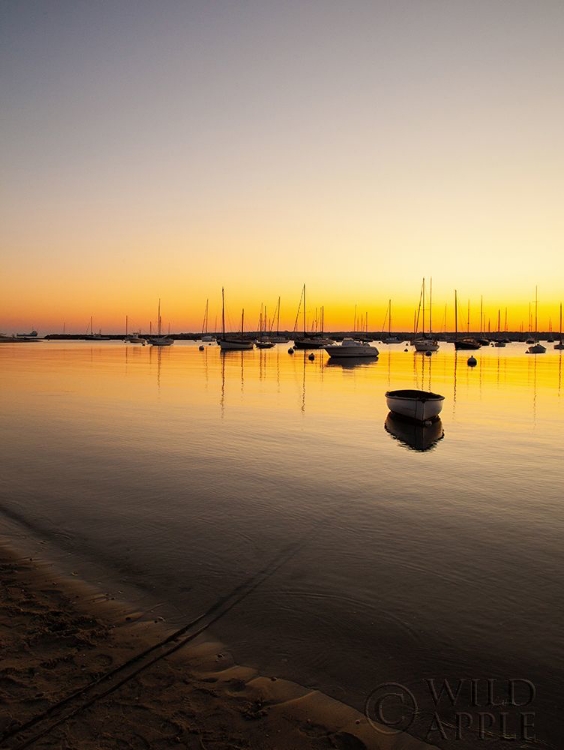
{"type": "Point", "coordinates": [505, 382]}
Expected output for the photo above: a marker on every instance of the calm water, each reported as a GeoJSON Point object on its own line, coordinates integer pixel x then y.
{"type": "Point", "coordinates": [175, 475]}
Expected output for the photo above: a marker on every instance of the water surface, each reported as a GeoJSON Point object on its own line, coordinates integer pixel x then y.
{"type": "Point", "coordinates": [176, 474]}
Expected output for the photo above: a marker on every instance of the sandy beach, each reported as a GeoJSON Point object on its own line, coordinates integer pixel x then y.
{"type": "Point", "coordinates": [81, 670]}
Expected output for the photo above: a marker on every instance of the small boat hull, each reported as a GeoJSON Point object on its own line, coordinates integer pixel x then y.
{"type": "Point", "coordinates": [420, 406]}
{"type": "Point", "coordinates": [467, 344]}
{"type": "Point", "coordinates": [422, 345]}
{"type": "Point", "coordinates": [536, 349]}
{"type": "Point", "coordinates": [311, 343]}
{"type": "Point", "coordinates": [234, 345]}
{"type": "Point", "coordinates": [339, 352]}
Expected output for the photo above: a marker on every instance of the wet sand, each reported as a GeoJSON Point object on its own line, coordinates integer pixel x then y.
{"type": "Point", "coordinates": [81, 670]}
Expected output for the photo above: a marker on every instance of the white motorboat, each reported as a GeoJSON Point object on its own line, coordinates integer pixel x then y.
{"type": "Point", "coordinates": [351, 348]}
{"type": "Point", "coordinates": [421, 406]}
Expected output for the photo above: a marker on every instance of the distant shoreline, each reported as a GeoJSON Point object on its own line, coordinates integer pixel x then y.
{"type": "Point", "coordinates": [404, 336]}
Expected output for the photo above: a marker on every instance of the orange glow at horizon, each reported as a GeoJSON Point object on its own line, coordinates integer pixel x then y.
{"type": "Point", "coordinates": [148, 156]}
{"type": "Point", "coordinates": [184, 310]}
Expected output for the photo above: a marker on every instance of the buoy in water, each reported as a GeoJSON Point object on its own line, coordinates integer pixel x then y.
{"type": "Point", "coordinates": [201, 348]}
{"type": "Point", "coordinates": [428, 354]}
{"type": "Point", "coordinates": [406, 350]}
{"type": "Point", "coordinates": [472, 361]}
{"type": "Point", "coordinates": [311, 357]}
{"type": "Point", "coordinates": [290, 350]}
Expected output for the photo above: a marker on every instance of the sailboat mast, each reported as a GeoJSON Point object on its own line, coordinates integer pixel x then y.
{"type": "Point", "coordinates": [223, 312]}
{"type": "Point", "coordinates": [430, 307]}
{"type": "Point", "coordinates": [536, 312]}
{"type": "Point", "coordinates": [159, 318]}
{"type": "Point", "coordinates": [304, 311]}
{"type": "Point", "coordinates": [389, 317]}
{"type": "Point", "coordinates": [278, 318]}
{"type": "Point", "coordinates": [242, 320]}
{"type": "Point", "coordinates": [423, 324]}
{"type": "Point", "coordinates": [126, 322]}
{"type": "Point", "coordinates": [455, 315]}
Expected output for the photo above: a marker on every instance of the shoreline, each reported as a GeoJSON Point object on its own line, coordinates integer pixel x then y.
{"type": "Point", "coordinates": [82, 670]}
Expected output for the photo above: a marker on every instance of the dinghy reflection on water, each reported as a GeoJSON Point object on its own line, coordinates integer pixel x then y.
{"type": "Point", "coordinates": [417, 436]}
{"type": "Point", "coordinates": [349, 363]}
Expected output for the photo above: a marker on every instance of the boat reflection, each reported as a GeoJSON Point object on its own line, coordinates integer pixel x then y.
{"type": "Point", "coordinates": [414, 436]}
{"type": "Point", "coordinates": [349, 363]}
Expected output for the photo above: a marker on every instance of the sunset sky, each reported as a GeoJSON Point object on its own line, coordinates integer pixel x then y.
{"type": "Point", "coordinates": [165, 149]}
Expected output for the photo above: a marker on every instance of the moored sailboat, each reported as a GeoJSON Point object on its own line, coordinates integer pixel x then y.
{"type": "Point", "coordinates": [234, 342]}
{"type": "Point", "coordinates": [560, 345]}
{"type": "Point", "coordinates": [132, 338]}
{"type": "Point", "coordinates": [313, 340]}
{"type": "Point", "coordinates": [390, 338]}
{"type": "Point", "coordinates": [426, 343]}
{"type": "Point", "coordinates": [536, 347]}
{"type": "Point", "coordinates": [205, 335]}
{"type": "Point", "coordinates": [467, 343]}
{"type": "Point", "coordinates": [278, 338]}
{"type": "Point", "coordinates": [263, 340]}
{"type": "Point", "coordinates": [159, 339]}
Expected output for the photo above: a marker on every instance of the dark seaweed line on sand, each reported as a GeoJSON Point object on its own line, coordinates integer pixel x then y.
{"type": "Point", "coordinates": [68, 707]}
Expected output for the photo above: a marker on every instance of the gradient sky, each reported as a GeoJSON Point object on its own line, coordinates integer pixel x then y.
{"type": "Point", "coordinates": [165, 149]}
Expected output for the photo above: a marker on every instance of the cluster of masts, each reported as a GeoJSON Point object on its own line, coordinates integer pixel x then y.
{"type": "Point", "coordinates": [423, 337]}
